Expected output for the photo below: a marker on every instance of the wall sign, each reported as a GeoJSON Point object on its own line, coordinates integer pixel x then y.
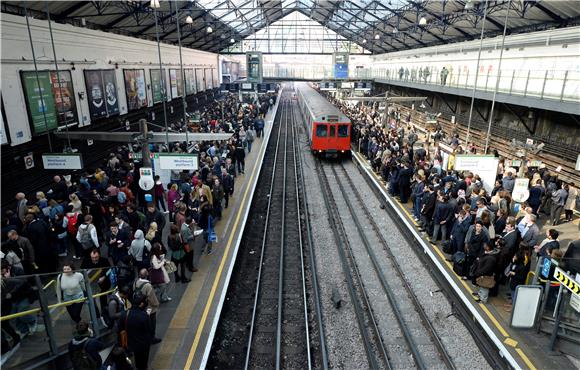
{"type": "Point", "coordinates": [178, 161]}
{"type": "Point", "coordinates": [62, 161]}
{"type": "Point", "coordinates": [176, 83]}
{"type": "Point", "coordinates": [189, 81]}
{"type": "Point", "coordinates": [158, 85]}
{"type": "Point", "coordinates": [135, 88]}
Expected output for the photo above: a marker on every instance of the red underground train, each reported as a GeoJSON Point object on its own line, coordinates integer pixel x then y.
{"type": "Point", "coordinates": [328, 128]}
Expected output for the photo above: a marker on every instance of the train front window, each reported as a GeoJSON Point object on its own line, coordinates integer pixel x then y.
{"type": "Point", "coordinates": [342, 130]}
{"type": "Point", "coordinates": [332, 130]}
{"type": "Point", "coordinates": [321, 131]}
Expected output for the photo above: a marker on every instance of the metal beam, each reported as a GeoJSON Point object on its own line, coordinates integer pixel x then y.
{"type": "Point", "coordinates": [549, 13]}
{"type": "Point", "coordinates": [130, 137]}
{"type": "Point", "coordinates": [71, 9]}
{"type": "Point", "coordinates": [395, 99]}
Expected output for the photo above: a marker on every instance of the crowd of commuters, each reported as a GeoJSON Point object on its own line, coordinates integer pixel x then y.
{"type": "Point", "coordinates": [491, 239]}
{"type": "Point", "coordinates": [101, 227]}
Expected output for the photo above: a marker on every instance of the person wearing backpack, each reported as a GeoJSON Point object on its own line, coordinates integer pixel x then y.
{"type": "Point", "coordinates": [71, 223]}
{"type": "Point", "coordinates": [84, 350]}
{"type": "Point", "coordinates": [87, 236]}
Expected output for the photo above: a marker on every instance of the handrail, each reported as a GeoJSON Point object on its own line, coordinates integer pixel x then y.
{"type": "Point", "coordinates": [55, 305]}
{"type": "Point", "coordinates": [49, 284]}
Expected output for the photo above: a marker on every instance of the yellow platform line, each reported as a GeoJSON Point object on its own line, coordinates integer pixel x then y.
{"type": "Point", "coordinates": [525, 358]}
{"type": "Point", "coordinates": [217, 278]}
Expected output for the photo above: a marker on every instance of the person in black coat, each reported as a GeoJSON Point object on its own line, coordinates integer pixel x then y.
{"type": "Point", "coordinates": [459, 231]}
{"type": "Point", "coordinates": [82, 341]}
{"type": "Point", "coordinates": [240, 155]}
{"type": "Point", "coordinates": [38, 232]}
{"type": "Point", "coordinates": [227, 181]}
{"type": "Point", "coordinates": [442, 217]}
{"type": "Point", "coordinates": [485, 266]}
{"type": "Point", "coordinates": [138, 326]}
{"type": "Point", "coordinates": [405, 175]}
{"type": "Point", "coordinates": [429, 200]}
{"type": "Point", "coordinates": [517, 275]}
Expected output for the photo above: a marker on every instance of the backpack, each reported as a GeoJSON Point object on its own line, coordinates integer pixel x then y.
{"type": "Point", "coordinates": [72, 224]}
{"type": "Point", "coordinates": [81, 360]}
{"type": "Point", "coordinates": [86, 240]}
{"type": "Point", "coordinates": [121, 197]}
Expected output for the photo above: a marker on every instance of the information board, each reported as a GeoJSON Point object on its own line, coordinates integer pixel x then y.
{"type": "Point", "coordinates": [340, 63]}
{"type": "Point", "coordinates": [135, 88]}
{"type": "Point", "coordinates": [102, 92]}
{"type": "Point", "coordinates": [62, 161]}
{"type": "Point", "coordinates": [178, 161]}
{"type": "Point", "coordinates": [254, 66]}
{"type": "Point", "coordinates": [483, 165]}
{"type": "Point", "coordinates": [158, 85]}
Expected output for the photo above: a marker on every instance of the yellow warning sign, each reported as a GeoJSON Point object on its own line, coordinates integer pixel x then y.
{"type": "Point", "coordinates": [567, 281]}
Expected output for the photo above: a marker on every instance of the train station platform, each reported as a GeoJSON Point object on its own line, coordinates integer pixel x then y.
{"type": "Point", "coordinates": [187, 325]}
{"type": "Point", "coordinates": [521, 349]}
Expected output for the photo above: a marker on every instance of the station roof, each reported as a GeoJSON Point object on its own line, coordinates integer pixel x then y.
{"type": "Point", "coordinates": [382, 26]}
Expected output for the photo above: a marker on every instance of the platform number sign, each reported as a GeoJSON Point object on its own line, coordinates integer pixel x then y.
{"type": "Point", "coordinates": [29, 161]}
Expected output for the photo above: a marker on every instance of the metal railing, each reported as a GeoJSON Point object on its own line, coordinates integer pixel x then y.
{"type": "Point", "coordinates": [43, 327]}
{"type": "Point", "coordinates": [561, 85]}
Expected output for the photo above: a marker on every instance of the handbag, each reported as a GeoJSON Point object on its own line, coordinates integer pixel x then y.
{"type": "Point", "coordinates": [156, 276]}
{"type": "Point", "coordinates": [170, 267]}
{"type": "Point", "coordinates": [123, 335]}
{"type": "Point", "coordinates": [485, 282]}
{"type": "Point", "coordinates": [186, 247]}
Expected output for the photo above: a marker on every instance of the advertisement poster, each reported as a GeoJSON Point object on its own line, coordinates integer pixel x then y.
{"type": "Point", "coordinates": [158, 85]}
{"type": "Point", "coordinates": [199, 80]}
{"type": "Point", "coordinates": [111, 94]}
{"type": "Point", "coordinates": [64, 97]}
{"type": "Point", "coordinates": [176, 83]}
{"type": "Point", "coordinates": [95, 93]}
{"type": "Point", "coordinates": [189, 81]}
{"type": "Point", "coordinates": [135, 88]}
{"type": "Point", "coordinates": [208, 79]}
{"type": "Point", "coordinates": [39, 101]}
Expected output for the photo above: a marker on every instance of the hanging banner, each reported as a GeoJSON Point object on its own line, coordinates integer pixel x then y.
{"type": "Point", "coordinates": [102, 92]}
{"type": "Point", "coordinates": [189, 81]}
{"type": "Point", "coordinates": [176, 83]}
{"type": "Point", "coordinates": [199, 80]}
{"type": "Point", "coordinates": [135, 88]}
{"type": "Point", "coordinates": [39, 101]}
{"type": "Point", "coordinates": [158, 85]}
{"type": "Point", "coordinates": [64, 97]}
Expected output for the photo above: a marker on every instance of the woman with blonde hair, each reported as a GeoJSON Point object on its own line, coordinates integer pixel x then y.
{"type": "Point", "coordinates": [153, 234]}
{"type": "Point", "coordinates": [42, 201]}
{"type": "Point", "coordinates": [76, 203]}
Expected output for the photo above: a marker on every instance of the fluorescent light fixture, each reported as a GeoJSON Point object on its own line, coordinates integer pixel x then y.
{"type": "Point", "coordinates": [364, 41]}
{"type": "Point", "coordinates": [469, 5]}
{"type": "Point", "coordinates": [155, 4]}
{"type": "Point", "coordinates": [422, 21]}
{"type": "Point", "coordinates": [189, 20]}
{"type": "Point", "coordinates": [209, 29]}
{"type": "Point", "coordinates": [232, 40]}
{"type": "Point", "coordinates": [377, 36]}
{"type": "Point", "coordinates": [395, 30]}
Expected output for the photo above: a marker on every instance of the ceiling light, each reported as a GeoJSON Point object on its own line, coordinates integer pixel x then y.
{"type": "Point", "coordinates": [377, 36]}
{"type": "Point", "coordinates": [209, 29]}
{"type": "Point", "coordinates": [189, 20]}
{"type": "Point", "coordinates": [422, 21]}
{"type": "Point", "coordinates": [364, 41]}
{"type": "Point", "coordinates": [232, 40]}
{"type": "Point", "coordinates": [395, 30]}
{"type": "Point", "coordinates": [469, 5]}
{"type": "Point", "coordinates": [155, 4]}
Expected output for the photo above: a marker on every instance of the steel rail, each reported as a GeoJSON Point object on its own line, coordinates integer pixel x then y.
{"type": "Point", "coordinates": [312, 255]}
{"type": "Point", "coordinates": [424, 318]}
{"type": "Point", "coordinates": [342, 245]}
{"type": "Point", "coordinates": [300, 236]}
{"type": "Point", "coordinates": [257, 291]}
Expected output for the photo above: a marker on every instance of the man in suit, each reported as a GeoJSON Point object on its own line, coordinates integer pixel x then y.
{"type": "Point", "coordinates": [21, 207]}
{"type": "Point", "coordinates": [530, 232]}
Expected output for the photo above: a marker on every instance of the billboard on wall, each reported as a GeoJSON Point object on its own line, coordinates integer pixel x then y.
{"type": "Point", "coordinates": [208, 78]}
{"type": "Point", "coordinates": [199, 80]}
{"type": "Point", "coordinates": [176, 83]}
{"type": "Point", "coordinates": [135, 88]}
{"type": "Point", "coordinates": [102, 92]}
{"type": "Point", "coordinates": [189, 81]}
{"type": "Point", "coordinates": [340, 63]}
{"type": "Point", "coordinates": [158, 85]}
{"type": "Point", "coordinates": [50, 101]}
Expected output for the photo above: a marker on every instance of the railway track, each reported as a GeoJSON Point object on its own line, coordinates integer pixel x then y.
{"type": "Point", "coordinates": [272, 299]}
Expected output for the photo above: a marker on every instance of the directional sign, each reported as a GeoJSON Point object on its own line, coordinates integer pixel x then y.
{"type": "Point", "coordinates": [567, 281]}
{"type": "Point", "coordinates": [546, 267]}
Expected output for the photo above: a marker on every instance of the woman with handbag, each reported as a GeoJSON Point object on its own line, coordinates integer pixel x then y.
{"type": "Point", "coordinates": [483, 273]}
{"type": "Point", "coordinates": [157, 274]}
{"type": "Point", "coordinates": [175, 243]}
{"type": "Point", "coordinates": [516, 273]}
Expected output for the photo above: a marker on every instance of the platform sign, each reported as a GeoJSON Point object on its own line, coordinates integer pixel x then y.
{"type": "Point", "coordinates": [521, 193]}
{"type": "Point", "coordinates": [62, 161]}
{"type": "Point", "coordinates": [525, 308]}
{"type": "Point", "coordinates": [340, 65]}
{"type": "Point", "coordinates": [254, 66]}
{"type": "Point", "coordinates": [328, 86]}
{"type": "Point", "coordinates": [546, 267]}
{"type": "Point", "coordinates": [146, 181]}
{"type": "Point", "coordinates": [483, 165]}
{"type": "Point", "coordinates": [178, 161]}
{"type": "Point", "coordinates": [247, 86]}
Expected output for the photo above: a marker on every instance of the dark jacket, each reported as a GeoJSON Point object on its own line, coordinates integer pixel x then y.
{"type": "Point", "coordinates": [157, 217]}
{"type": "Point", "coordinates": [458, 234]}
{"type": "Point", "coordinates": [486, 264]}
{"type": "Point", "coordinates": [429, 200]}
{"type": "Point", "coordinates": [443, 212]}
{"type": "Point", "coordinates": [520, 277]}
{"type": "Point", "coordinates": [91, 345]}
{"type": "Point", "coordinates": [138, 329]}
